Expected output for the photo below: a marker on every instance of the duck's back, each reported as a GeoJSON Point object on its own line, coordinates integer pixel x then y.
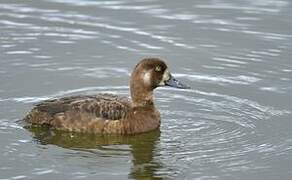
{"type": "Point", "coordinates": [87, 113]}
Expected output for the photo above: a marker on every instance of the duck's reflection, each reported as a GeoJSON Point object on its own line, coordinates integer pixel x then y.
{"type": "Point", "coordinates": [141, 147]}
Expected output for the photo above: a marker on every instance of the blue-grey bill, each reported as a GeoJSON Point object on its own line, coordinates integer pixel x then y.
{"type": "Point", "coordinates": [175, 83]}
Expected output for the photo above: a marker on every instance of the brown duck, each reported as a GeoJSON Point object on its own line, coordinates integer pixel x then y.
{"type": "Point", "coordinates": [106, 113]}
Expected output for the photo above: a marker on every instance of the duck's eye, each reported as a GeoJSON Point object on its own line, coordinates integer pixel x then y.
{"type": "Point", "coordinates": [158, 68]}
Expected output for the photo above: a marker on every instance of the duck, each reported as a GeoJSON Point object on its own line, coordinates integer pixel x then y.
{"type": "Point", "coordinates": [109, 113]}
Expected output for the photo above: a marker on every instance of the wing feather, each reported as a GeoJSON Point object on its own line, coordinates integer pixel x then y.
{"type": "Point", "coordinates": [105, 106]}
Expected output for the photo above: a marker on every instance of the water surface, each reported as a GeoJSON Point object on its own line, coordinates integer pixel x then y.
{"type": "Point", "coordinates": [235, 122]}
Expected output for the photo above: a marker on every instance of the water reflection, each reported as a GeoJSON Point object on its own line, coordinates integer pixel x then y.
{"type": "Point", "coordinates": [140, 147]}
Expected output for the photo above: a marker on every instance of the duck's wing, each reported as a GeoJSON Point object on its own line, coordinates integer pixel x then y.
{"type": "Point", "coordinates": [104, 106]}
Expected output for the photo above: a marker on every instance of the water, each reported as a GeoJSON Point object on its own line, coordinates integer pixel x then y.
{"type": "Point", "coordinates": [234, 124]}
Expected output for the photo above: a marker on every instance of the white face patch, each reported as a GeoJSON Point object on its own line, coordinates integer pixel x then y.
{"type": "Point", "coordinates": [147, 78]}
{"type": "Point", "coordinates": [165, 77]}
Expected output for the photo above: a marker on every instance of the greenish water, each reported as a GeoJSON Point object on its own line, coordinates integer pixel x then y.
{"type": "Point", "coordinates": [140, 147]}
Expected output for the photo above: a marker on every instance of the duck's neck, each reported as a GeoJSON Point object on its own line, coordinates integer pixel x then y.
{"type": "Point", "coordinates": [141, 95]}
{"type": "Point", "coordinates": [142, 99]}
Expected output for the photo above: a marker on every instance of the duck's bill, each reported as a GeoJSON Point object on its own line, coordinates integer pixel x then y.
{"type": "Point", "coordinates": [175, 83]}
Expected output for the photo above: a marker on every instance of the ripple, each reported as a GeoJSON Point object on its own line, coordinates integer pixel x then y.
{"type": "Point", "coordinates": [37, 65]}
{"type": "Point", "coordinates": [231, 109]}
{"type": "Point", "coordinates": [273, 89]}
{"type": "Point", "coordinates": [18, 52]}
{"type": "Point", "coordinates": [88, 22]}
{"type": "Point", "coordinates": [86, 90]}
{"type": "Point", "coordinates": [214, 132]}
{"type": "Point", "coordinates": [241, 79]}
{"type": "Point", "coordinates": [6, 124]}
{"type": "Point", "coordinates": [43, 171]}
{"type": "Point", "coordinates": [19, 177]}
{"type": "Point", "coordinates": [228, 60]}
{"type": "Point", "coordinates": [127, 7]}
{"type": "Point", "coordinates": [218, 22]}
{"type": "Point", "coordinates": [148, 46]}
{"type": "Point", "coordinates": [106, 72]}
{"type": "Point", "coordinates": [88, 3]}
{"type": "Point", "coordinates": [253, 9]}
{"type": "Point", "coordinates": [42, 57]}
{"type": "Point", "coordinates": [265, 53]}
{"type": "Point", "coordinates": [11, 23]}
{"type": "Point", "coordinates": [268, 35]}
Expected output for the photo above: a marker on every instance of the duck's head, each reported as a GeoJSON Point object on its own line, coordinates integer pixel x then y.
{"type": "Point", "coordinates": [149, 74]}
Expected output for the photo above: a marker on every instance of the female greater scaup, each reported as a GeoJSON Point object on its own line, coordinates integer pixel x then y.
{"type": "Point", "coordinates": [106, 113]}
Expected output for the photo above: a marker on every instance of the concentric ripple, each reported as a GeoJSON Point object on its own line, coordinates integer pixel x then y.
{"type": "Point", "coordinates": [215, 133]}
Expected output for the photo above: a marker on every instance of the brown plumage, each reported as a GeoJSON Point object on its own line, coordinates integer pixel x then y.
{"type": "Point", "coordinates": [106, 113]}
